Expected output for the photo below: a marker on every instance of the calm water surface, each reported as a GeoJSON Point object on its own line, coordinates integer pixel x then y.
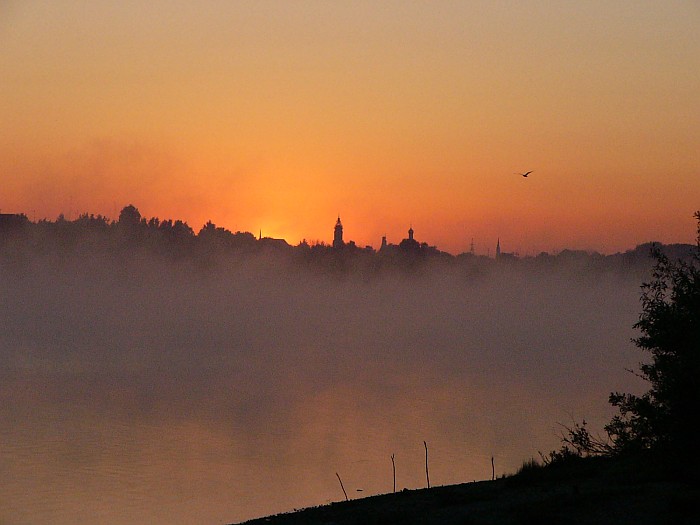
{"type": "Point", "coordinates": [145, 395]}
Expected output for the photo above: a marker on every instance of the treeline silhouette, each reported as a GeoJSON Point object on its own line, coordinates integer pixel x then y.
{"type": "Point", "coordinates": [21, 238]}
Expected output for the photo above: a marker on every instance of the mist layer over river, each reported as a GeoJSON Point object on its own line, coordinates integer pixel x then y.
{"type": "Point", "coordinates": [135, 391]}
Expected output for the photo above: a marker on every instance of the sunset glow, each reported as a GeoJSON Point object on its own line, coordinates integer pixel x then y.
{"type": "Point", "coordinates": [278, 116]}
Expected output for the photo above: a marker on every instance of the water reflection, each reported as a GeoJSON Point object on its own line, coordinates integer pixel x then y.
{"type": "Point", "coordinates": [163, 398]}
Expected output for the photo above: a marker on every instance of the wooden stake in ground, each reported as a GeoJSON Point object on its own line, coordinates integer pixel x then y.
{"type": "Point", "coordinates": [393, 465]}
{"type": "Point", "coordinates": [427, 476]}
{"type": "Point", "coordinates": [341, 486]}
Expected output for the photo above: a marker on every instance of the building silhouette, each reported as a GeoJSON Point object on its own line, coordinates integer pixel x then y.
{"type": "Point", "coordinates": [338, 235]}
{"type": "Point", "coordinates": [410, 245]}
{"type": "Point", "coordinates": [12, 221]}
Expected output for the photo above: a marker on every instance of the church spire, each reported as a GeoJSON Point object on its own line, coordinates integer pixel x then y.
{"type": "Point", "coordinates": [338, 234]}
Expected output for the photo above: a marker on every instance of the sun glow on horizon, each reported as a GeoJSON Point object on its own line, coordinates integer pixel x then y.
{"type": "Point", "coordinates": [280, 116]}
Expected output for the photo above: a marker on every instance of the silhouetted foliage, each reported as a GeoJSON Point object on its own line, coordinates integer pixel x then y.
{"type": "Point", "coordinates": [577, 443]}
{"type": "Point", "coordinates": [665, 419]}
{"type": "Point", "coordinates": [176, 230]}
{"type": "Point", "coordinates": [132, 233]}
{"type": "Point", "coordinates": [130, 217]}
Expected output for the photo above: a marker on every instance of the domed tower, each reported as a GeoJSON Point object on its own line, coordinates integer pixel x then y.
{"type": "Point", "coordinates": [410, 245]}
{"type": "Point", "coordinates": [338, 234]}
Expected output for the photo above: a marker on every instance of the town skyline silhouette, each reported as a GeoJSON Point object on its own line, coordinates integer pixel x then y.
{"type": "Point", "coordinates": [131, 219]}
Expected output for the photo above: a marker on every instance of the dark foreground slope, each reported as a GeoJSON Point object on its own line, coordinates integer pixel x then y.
{"type": "Point", "coordinates": [591, 492]}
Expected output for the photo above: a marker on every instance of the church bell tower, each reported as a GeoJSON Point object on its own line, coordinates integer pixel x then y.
{"type": "Point", "coordinates": [338, 235]}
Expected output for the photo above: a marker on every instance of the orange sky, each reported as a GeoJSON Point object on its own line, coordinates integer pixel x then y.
{"type": "Point", "coordinates": [280, 115]}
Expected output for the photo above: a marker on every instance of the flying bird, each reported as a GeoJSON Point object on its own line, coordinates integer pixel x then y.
{"type": "Point", "coordinates": [526, 173]}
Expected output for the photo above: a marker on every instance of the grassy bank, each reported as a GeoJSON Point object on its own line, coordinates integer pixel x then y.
{"type": "Point", "coordinates": [591, 491]}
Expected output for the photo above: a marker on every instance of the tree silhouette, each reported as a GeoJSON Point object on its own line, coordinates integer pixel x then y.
{"type": "Point", "coordinates": [665, 419]}
{"type": "Point", "coordinates": [130, 217]}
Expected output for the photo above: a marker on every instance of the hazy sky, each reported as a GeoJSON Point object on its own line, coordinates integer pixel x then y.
{"type": "Point", "coordinates": [281, 115]}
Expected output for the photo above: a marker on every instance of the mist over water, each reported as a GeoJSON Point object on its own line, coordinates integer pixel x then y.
{"type": "Point", "coordinates": [134, 389]}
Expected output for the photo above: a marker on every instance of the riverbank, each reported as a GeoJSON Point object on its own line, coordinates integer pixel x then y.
{"type": "Point", "coordinates": [593, 492]}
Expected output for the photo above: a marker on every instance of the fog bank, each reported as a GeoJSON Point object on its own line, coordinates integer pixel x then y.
{"type": "Point", "coordinates": [163, 390]}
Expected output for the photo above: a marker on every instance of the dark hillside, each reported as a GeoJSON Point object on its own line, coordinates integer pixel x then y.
{"type": "Point", "coordinates": [592, 491]}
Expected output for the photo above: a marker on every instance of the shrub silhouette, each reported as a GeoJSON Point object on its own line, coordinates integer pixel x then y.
{"type": "Point", "coordinates": [664, 420]}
